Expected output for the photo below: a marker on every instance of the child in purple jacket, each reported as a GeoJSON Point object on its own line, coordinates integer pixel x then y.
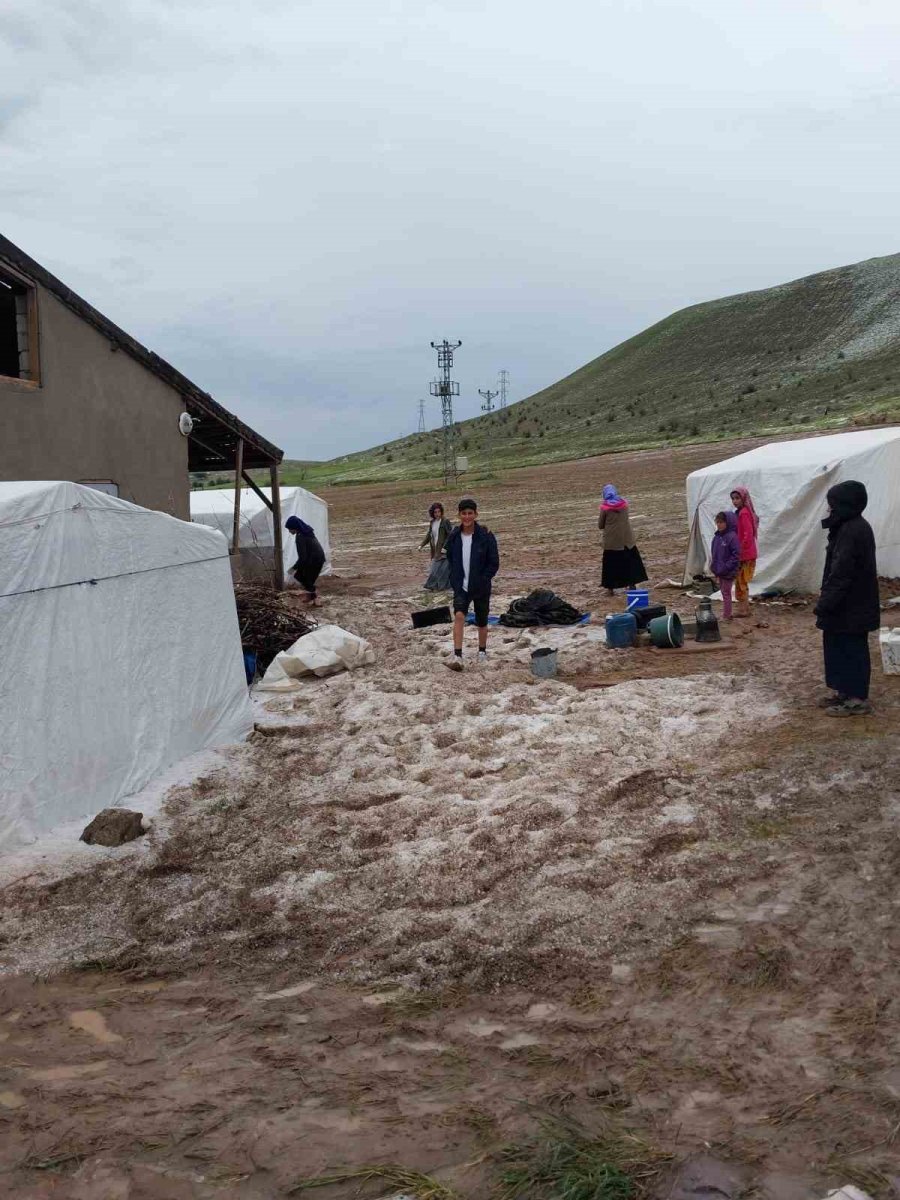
{"type": "Point", "coordinates": [725, 557]}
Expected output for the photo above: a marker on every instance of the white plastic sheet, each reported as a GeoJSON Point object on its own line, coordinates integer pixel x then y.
{"type": "Point", "coordinates": [325, 651]}
{"type": "Point", "coordinates": [121, 651]}
{"type": "Point", "coordinates": [789, 482]}
{"type": "Point", "coordinates": [215, 508]}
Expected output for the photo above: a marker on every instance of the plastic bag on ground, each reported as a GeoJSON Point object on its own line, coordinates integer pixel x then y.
{"type": "Point", "coordinates": [325, 651]}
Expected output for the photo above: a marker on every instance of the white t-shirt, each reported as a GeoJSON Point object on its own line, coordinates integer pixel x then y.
{"type": "Point", "coordinates": [435, 529]}
{"type": "Point", "coordinates": [466, 558]}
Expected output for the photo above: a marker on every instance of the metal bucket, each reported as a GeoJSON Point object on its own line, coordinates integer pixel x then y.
{"type": "Point", "coordinates": [667, 632]}
{"type": "Point", "coordinates": [543, 663]}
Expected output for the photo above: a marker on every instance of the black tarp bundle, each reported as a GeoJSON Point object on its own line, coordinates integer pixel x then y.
{"type": "Point", "coordinates": [540, 607]}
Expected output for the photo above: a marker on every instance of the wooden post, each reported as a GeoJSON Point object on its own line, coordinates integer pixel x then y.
{"type": "Point", "coordinates": [276, 522]}
{"type": "Point", "coordinates": [238, 471]}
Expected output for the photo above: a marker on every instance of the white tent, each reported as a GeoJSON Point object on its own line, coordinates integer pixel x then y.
{"type": "Point", "coordinates": [121, 652]}
{"type": "Point", "coordinates": [257, 535]}
{"type": "Point", "coordinates": [788, 482]}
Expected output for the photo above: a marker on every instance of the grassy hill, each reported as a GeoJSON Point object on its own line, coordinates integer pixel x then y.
{"type": "Point", "coordinates": [820, 352]}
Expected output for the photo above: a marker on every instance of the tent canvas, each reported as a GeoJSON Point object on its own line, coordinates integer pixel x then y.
{"type": "Point", "coordinates": [788, 482]}
{"type": "Point", "coordinates": [121, 652]}
{"type": "Point", "coordinates": [257, 534]}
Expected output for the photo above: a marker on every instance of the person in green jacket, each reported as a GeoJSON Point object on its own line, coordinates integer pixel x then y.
{"type": "Point", "coordinates": [439, 529]}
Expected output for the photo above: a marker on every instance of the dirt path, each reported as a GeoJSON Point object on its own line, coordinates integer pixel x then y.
{"type": "Point", "coordinates": [422, 912]}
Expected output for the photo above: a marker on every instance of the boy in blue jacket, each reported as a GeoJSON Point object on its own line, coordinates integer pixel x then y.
{"type": "Point", "coordinates": [474, 561]}
{"type": "Point", "coordinates": [725, 557]}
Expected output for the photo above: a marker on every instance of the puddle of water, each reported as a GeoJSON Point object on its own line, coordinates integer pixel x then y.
{"type": "Point", "coordinates": [423, 1047]}
{"type": "Point", "coordinates": [297, 989]}
{"type": "Point", "coordinates": [76, 1071]}
{"type": "Point", "coordinates": [94, 1023]}
{"type": "Point", "coordinates": [483, 1028]}
{"type": "Point", "coordinates": [540, 1012]}
{"type": "Point", "coordinates": [520, 1039]}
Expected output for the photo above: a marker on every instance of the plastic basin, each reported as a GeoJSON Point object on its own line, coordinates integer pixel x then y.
{"type": "Point", "coordinates": [667, 632]}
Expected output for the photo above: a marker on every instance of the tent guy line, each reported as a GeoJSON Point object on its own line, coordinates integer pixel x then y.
{"type": "Point", "coordinates": [54, 587]}
{"type": "Point", "coordinates": [36, 518]}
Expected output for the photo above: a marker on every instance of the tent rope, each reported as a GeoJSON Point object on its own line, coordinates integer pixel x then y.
{"type": "Point", "coordinates": [53, 587]}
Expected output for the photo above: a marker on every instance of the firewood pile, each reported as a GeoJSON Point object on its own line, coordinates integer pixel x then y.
{"type": "Point", "coordinates": [267, 624]}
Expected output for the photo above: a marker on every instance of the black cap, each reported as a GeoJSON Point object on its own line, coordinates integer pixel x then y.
{"type": "Point", "coordinates": [467, 502]}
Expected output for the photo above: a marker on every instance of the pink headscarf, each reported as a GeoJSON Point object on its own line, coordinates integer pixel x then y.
{"type": "Point", "coordinates": [748, 504]}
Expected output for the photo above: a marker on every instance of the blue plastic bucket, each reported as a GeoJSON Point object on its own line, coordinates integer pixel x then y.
{"type": "Point", "coordinates": [637, 598]}
{"type": "Point", "coordinates": [621, 631]}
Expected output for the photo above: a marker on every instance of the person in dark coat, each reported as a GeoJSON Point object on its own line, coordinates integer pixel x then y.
{"type": "Point", "coordinates": [849, 608]}
{"type": "Point", "coordinates": [310, 557]}
{"type": "Point", "coordinates": [474, 561]}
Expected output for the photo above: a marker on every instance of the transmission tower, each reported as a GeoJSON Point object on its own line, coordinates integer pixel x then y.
{"type": "Point", "coordinates": [504, 385]}
{"type": "Point", "coordinates": [421, 428]}
{"type": "Point", "coordinates": [446, 389]}
{"type": "Point", "coordinates": [488, 408]}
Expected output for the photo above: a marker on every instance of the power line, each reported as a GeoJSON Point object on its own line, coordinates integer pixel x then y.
{"type": "Point", "coordinates": [504, 384]}
{"type": "Point", "coordinates": [488, 408]}
{"type": "Point", "coordinates": [446, 389]}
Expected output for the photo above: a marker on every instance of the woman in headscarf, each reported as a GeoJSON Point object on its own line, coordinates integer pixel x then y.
{"type": "Point", "coordinates": [439, 529]}
{"type": "Point", "coordinates": [849, 607]}
{"type": "Point", "coordinates": [622, 564]}
{"type": "Point", "coordinates": [310, 557]}
{"type": "Point", "coordinates": [747, 529]}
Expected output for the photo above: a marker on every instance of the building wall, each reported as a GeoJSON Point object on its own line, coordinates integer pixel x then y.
{"type": "Point", "coordinates": [97, 415]}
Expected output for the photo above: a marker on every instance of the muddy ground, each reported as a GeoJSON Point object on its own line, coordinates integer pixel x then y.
{"type": "Point", "coordinates": [420, 914]}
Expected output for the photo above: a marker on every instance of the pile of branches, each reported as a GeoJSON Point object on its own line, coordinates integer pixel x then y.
{"type": "Point", "coordinates": [267, 624]}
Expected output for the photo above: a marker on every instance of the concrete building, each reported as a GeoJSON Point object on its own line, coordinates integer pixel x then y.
{"type": "Point", "coordinates": [80, 400]}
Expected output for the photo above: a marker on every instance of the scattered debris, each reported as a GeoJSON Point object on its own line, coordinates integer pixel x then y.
{"type": "Point", "coordinates": [114, 827]}
{"type": "Point", "coordinates": [267, 623]}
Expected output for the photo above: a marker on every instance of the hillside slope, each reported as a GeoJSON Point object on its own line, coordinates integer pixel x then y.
{"type": "Point", "coordinates": [813, 353]}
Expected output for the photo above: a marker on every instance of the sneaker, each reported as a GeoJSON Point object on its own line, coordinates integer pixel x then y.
{"type": "Point", "coordinates": [831, 700]}
{"type": "Point", "coordinates": [455, 663]}
{"type": "Point", "coordinates": [850, 708]}
{"type": "Point", "coordinates": [482, 657]}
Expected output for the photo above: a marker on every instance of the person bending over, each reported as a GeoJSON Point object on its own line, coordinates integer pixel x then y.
{"type": "Point", "coordinates": [310, 557]}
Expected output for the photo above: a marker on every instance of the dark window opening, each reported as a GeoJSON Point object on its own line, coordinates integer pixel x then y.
{"type": "Point", "coordinates": [15, 360]}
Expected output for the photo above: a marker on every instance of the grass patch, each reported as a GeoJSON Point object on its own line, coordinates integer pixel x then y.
{"type": "Point", "coordinates": [565, 1161]}
{"type": "Point", "coordinates": [412, 1183]}
{"type": "Point", "coordinates": [421, 1004]}
{"type": "Point", "coordinates": [764, 965]}
{"type": "Point", "coordinates": [481, 1122]}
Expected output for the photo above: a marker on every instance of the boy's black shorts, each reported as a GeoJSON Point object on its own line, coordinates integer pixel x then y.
{"type": "Point", "coordinates": [481, 604]}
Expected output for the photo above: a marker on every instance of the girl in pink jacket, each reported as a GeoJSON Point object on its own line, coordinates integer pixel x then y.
{"type": "Point", "coordinates": [747, 530]}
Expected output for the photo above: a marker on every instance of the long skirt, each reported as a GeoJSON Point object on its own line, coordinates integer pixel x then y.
{"type": "Point", "coordinates": [439, 576]}
{"type": "Point", "coordinates": [848, 667]}
{"type": "Point", "coordinates": [622, 568]}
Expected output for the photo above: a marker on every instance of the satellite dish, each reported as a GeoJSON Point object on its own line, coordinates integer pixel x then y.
{"type": "Point", "coordinates": [185, 423]}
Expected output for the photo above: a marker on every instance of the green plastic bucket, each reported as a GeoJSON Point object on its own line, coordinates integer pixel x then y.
{"type": "Point", "coordinates": [667, 632]}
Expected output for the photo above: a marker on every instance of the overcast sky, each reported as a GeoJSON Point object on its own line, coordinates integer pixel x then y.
{"type": "Point", "coordinates": [290, 200]}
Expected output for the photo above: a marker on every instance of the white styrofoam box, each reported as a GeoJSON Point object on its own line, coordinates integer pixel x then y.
{"type": "Point", "coordinates": [890, 651]}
